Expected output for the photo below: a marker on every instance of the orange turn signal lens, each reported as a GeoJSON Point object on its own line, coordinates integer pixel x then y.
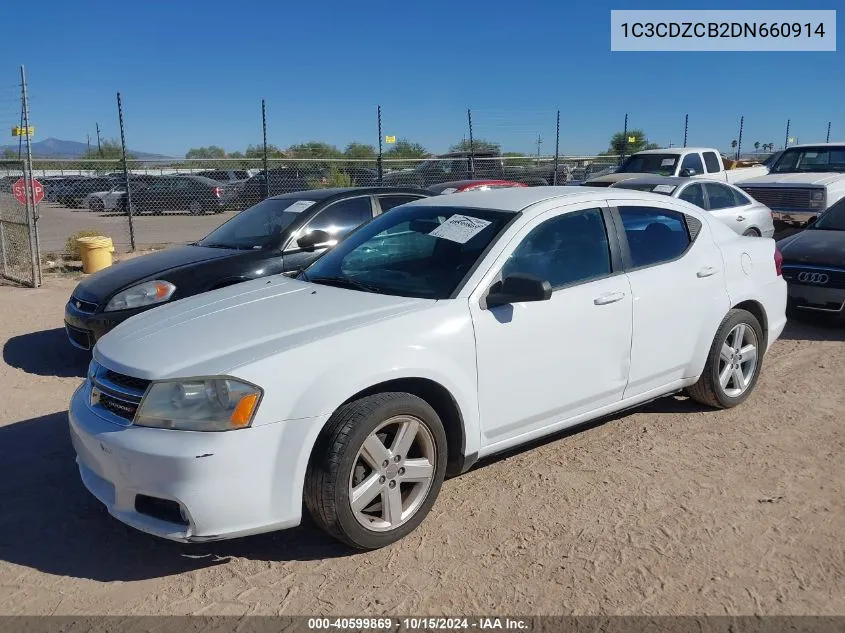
{"type": "Point", "coordinates": [242, 414]}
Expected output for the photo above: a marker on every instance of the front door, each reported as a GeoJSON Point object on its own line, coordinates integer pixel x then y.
{"type": "Point", "coordinates": [541, 363]}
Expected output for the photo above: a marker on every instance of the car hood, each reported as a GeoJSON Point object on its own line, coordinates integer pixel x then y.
{"type": "Point", "coordinates": [216, 332]}
{"type": "Point", "coordinates": [786, 180]}
{"type": "Point", "coordinates": [814, 246]}
{"type": "Point", "coordinates": [105, 283]}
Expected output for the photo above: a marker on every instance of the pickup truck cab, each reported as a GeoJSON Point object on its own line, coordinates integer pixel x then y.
{"type": "Point", "coordinates": [686, 162]}
{"type": "Point", "coordinates": [804, 181]}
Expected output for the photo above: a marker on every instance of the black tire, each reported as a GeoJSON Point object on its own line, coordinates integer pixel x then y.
{"type": "Point", "coordinates": [708, 390]}
{"type": "Point", "coordinates": [333, 458]}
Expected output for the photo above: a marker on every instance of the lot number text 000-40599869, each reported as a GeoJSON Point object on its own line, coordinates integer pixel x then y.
{"type": "Point", "coordinates": [723, 30]}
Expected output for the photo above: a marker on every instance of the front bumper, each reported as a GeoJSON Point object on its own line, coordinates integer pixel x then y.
{"type": "Point", "coordinates": [213, 485]}
{"type": "Point", "coordinates": [84, 329]}
{"type": "Point", "coordinates": [816, 299]}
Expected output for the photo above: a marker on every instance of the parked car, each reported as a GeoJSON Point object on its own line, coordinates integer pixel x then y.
{"type": "Point", "coordinates": [60, 186]}
{"type": "Point", "coordinates": [814, 264]}
{"type": "Point", "coordinates": [460, 186]}
{"type": "Point", "coordinates": [194, 194]}
{"type": "Point", "coordinates": [278, 235]}
{"type": "Point", "coordinates": [687, 162]}
{"type": "Point", "coordinates": [725, 202]}
{"type": "Point", "coordinates": [74, 194]}
{"type": "Point", "coordinates": [225, 175]}
{"type": "Point", "coordinates": [804, 181]}
{"type": "Point", "coordinates": [445, 330]}
{"type": "Point", "coordinates": [115, 198]}
{"type": "Point", "coordinates": [458, 166]}
{"type": "Point", "coordinates": [298, 178]}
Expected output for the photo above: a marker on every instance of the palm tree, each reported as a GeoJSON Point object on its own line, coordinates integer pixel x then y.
{"type": "Point", "coordinates": [733, 144]}
{"type": "Point", "coordinates": [756, 146]}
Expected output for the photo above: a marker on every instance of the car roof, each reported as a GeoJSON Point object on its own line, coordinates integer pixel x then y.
{"type": "Point", "coordinates": [534, 200]}
{"type": "Point", "coordinates": [324, 194]}
{"type": "Point", "coordinates": [839, 144]}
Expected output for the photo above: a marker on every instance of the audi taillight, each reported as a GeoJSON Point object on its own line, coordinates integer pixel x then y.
{"type": "Point", "coordinates": [217, 191]}
{"type": "Point", "coordinates": [778, 262]}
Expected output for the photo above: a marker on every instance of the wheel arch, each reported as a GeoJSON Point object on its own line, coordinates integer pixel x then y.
{"type": "Point", "coordinates": [756, 308]}
{"type": "Point", "coordinates": [443, 402]}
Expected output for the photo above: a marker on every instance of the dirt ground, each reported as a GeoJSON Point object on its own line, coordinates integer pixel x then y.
{"type": "Point", "coordinates": [669, 509]}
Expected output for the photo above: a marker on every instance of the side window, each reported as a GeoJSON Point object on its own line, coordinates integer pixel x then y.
{"type": "Point", "coordinates": [740, 199]}
{"type": "Point", "coordinates": [693, 162]}
{"type": "Point", "coordinates": [567, 249]}
{"type": "Point", "coordinates": [342, 217]}
{"type": "Point", "coordinates": [654, 235]}
{"type": "Point", "coordinates": [713, 163]}
{"type": "Point", "coordinates": [720, 196]}
{"type": "Point", "coordinates": [694, 194]}
{"type": "Point", "coordinates": [388, 202]}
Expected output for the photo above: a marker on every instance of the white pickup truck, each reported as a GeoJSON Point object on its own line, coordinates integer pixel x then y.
{"type": "Point", "coordinates": [689, 162]}
{"type": "Point", "coordinates": [804, 181]}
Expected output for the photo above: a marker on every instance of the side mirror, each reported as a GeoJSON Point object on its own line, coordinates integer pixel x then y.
{"type": "Point", "coordinates": [518, 288]}
{"type": "Point", "coordinates": [686, 173]}
{"type": "Point", "coordinates": [312, 239]}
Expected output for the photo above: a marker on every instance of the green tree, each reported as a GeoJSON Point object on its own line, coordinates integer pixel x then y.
{"type": "Point", "coordinates": [212, 151]}
{"type": "Point", "coordinates": [236, 154]}
{"type": "Point", "coordinates": [257, 151]}
{"type": "Point", "coordinates": [8, 152]}
{"type": "Point", "coordinates": [109, 150]}
{"type": "Point", "coordinates": [733, 144]}
{"type": "Point", "coordinates": [620, 143]}
{"type": "Point", "coordinates": [314, 149]}
{"type": "Point", "coordinates": [478, 145]}
{"type": "Point", "coordinates": [756, 146]}
{"type": "Point", "coordinates": [360, 151]}
{"type": "Point", "coordinates": [403, 148]}
{"type": "Point", "coordinates": [517, 159]}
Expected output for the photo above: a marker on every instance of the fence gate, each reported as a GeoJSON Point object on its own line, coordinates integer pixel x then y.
{"type": "Point", "coordinates": [18, 251]}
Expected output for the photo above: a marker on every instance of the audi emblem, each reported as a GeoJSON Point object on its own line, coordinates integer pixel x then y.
{"type": "Point", "coordinates": [814, 278]}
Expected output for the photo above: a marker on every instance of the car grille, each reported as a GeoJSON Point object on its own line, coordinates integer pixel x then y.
{"type": "Point", "coordinates": [117, 396]}
{"type": "Point", "coordinates": [82, 338]}
{"type": "Point", "coordinates": [83, 306]}
{"type": "Point", "coordinates": [780, 197]}
{"type": "Point", "coordinates": [817, 277]}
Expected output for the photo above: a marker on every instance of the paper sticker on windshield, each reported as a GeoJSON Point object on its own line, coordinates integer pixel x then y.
{"type": "Point", "coordinates": [460, 228]}
{"type": "Point", "coordinates": [299, 206]}
{"type": "Point", "coordinates": [448, 190]}
{"type": "Point", "coordinates": [664, 189]}
{"type": "Point", "coordinates": [667, 162]}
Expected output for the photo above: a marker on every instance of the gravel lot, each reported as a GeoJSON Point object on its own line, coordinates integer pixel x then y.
{"type": "Point", "coordinates": [670, 509]}
{"type": "Point", "coordinates": [57, 223]}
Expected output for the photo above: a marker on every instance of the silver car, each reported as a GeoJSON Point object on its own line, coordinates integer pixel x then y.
{"type": "Point", "coordinates": [729, 204]}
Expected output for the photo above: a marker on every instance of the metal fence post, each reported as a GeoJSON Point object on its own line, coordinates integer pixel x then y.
{"type": "Point", "coordinates": [471, 146]}
{"type": "Point", "coordinates": [686, 127]}
{"type": "Point", "coordinates": [828, 133]}
{"type": "Point", "coordinates": [264, 132]}
{"type": "Point", "coordinates": [786, 140]}
{"type": "Point", "coordinates": [557, 148]}
{"type": "Point", "coordinates": [624, 139]}
{"type": "Point", "coordinates": [379, 163]}
{"type": "Point", "coordinates": [739, 142]}
{"type": "Point", "coordinates": [31, 205]}
{"type": "Point", "coordinates": [126, 174]}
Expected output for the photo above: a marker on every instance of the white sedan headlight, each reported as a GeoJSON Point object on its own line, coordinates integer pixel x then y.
{"type": "Point", "coordinates": [144, 294]}
{"type": "Point", "coordinates": [199, 404]}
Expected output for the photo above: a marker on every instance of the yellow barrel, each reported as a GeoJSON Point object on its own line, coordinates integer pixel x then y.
{"type": "Point", "coordinates": [96, 253]}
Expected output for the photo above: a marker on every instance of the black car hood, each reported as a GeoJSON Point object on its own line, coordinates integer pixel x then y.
{"type": "Point", "coordinates": [814, 246]}
{"type": "Point", "coordinates": [105, 283]}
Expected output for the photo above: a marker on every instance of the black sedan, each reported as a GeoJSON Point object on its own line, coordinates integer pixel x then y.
{"type": "Point", "coordinates": [74, 194]}
{"type": "Point", "coordinates": [814, 264]}
{"type": "Point", "coordinates": [182, 193]}
{"type": "Point", "coordinates": [279, 235]}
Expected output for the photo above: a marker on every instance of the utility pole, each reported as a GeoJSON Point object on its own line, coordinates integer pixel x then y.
{"type": "Point", "coordinates": [31, 207]}
{"type": "Point", "coordinates": [99, 146]}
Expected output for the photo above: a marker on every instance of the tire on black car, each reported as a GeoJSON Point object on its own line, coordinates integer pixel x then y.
{"type": "Point", "coordinates": [335, 462]}
{"type": "Point", "coordinates": [709, 390]}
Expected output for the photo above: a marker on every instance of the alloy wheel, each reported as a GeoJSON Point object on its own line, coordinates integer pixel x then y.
{"type": "Point", "coordinates": [738, 360]}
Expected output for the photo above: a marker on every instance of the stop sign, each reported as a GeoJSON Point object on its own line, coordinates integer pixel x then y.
{"type": "Point", "coordinates": [19, 189]}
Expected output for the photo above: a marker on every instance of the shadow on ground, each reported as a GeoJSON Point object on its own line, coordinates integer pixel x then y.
{"type": "Point", "coordinates": [46, 353]}
{"type": "Point", "coordinates": [813, 327]}
{"type": "Point", "coordinates": [49, 522]}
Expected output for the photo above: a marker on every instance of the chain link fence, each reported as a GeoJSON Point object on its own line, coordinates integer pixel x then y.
{"type": "Point", "coordinates": [17, 227]}
{"type": "Point", "coordinates": [181, 201]}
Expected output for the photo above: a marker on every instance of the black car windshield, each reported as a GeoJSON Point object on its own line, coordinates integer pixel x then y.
{"type": "Point", "coordinates": [810, 159]}
{"type": "Point", "coordinates": [259, 227]}
{"type": "Point", "coordinates": [412, 251]}
{"type": "Point", "coordinates": [833, 219]}
{"type": "Point", "coordinates": [663, 164]}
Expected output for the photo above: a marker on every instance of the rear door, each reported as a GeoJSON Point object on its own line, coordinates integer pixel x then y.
{"type": "Point", "coordinates": [678, 283]}
{"type": "Point", "coordinates": [722, 204]}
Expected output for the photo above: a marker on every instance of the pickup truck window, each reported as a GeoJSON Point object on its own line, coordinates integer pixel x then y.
{"type": "Point", "coordinates": [693, 163]}
{"type": "Point", "coordinates": [714, 165]}
{"type": "Point", "coordinates": [663, 164]}
{"type": "Point", "coordinates": [810, 159]}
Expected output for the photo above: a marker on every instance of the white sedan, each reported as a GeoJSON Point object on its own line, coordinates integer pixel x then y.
{"type": "Point", "coordinates": [100, 201]}
{"type": "Point", "coordinates": [443, 331]}
{"type": "Point", "coordinates": [728, 203]}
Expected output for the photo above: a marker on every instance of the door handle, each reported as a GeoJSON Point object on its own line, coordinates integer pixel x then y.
{"type": "Point", "coordinates": [609, 297]}
{"type": "Point", "coordinates": [740, 218]}
{"type": "Point", "coordinates": [707, 271]}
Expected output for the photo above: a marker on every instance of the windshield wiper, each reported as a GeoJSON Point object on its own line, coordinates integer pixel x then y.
{"type": "Point", "coordinates": [345, 282]}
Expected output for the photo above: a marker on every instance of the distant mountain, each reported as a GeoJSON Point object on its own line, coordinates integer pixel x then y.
{"type": "Point", "coordinates": [55, 148]}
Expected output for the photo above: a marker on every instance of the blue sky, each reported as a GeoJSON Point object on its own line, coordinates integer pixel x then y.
{"type": "Point", "coordinates": [194, 74]}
